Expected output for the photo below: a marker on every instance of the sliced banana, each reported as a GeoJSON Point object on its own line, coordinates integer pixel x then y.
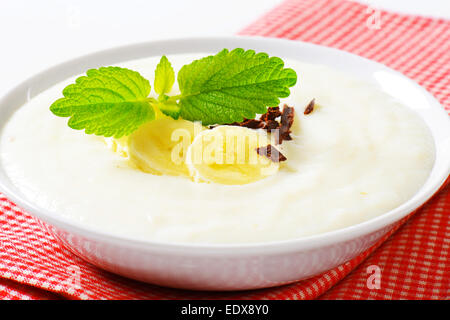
{"type": "Point", "coordinates": [227, 155]}
{"type": "Point", "coordinates": [160, 146]}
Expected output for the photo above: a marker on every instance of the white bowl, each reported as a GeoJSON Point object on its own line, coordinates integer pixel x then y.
{"type": "Point", "coordinates": [236, 266]}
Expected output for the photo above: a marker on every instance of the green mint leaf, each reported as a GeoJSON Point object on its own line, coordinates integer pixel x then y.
{"type": "Point", "coordinates": [230, 86]}
{"type": "Point", "coordinates": [170, 108]}
{"type": "Point", "coordinates": [164, 76]}
{"type": "Point", "coordinates": [109, 101]}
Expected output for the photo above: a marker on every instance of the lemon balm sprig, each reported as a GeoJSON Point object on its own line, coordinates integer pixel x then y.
{"type": "Point", "coordinates": [218, 89]}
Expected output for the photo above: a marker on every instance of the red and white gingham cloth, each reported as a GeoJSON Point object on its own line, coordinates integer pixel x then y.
{"type": "Point", "coordinates": [414, 262]}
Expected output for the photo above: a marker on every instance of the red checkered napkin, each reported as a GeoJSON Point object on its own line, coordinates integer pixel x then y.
{"type": "Point", "coordinates": [413, 263]}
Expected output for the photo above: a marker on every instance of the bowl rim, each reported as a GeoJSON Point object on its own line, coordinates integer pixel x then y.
{"type": "Point", "coordinates": [370, 226]}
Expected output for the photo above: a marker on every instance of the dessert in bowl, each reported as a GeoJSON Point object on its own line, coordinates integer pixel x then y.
{"type": "Point", "coordinates": [359, 156]}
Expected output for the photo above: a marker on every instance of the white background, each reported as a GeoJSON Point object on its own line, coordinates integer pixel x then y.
{"type": "Point", "coordinates": [38, 34]}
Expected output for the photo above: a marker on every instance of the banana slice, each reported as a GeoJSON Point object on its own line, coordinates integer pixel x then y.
{"type": "Point", "coordinates": [227, 155]}
{"type": "Point", "coordinates": [160, 146]}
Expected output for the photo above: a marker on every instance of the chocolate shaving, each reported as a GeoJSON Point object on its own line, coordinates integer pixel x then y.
{"type": "Point", "coordinates": [280, 129]}
{"type": "Point", "coordinates": [287, 119]}
{"type": "Point", "coordinates": [271, 125]}
{"type": "Point", "coordinates": [271, 114]}
{"type": "Point", "coordinates": [271, 153]}
{"type": "Point", "coordinates": [268, 121]}
{"type": "Point", "coordinates": [252, 124]}
{"type": "Point", "coordinates": [310, 107]}
{"type": "Point", "coordinates": [248, 123]}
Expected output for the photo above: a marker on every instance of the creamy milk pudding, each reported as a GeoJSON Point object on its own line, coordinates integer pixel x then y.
{"type": "Point", "coordinates": [359, 154]}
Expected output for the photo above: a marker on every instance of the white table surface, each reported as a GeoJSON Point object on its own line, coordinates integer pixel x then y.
{"type": "Point", "coordinates": [38, 34]}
